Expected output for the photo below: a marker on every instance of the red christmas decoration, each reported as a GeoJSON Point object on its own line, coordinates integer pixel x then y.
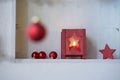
{"type": "Point", "coordinates": [35, 55]}
{"type": "Point", "coordinates": [107, 52]}
{"type": "Point", "coordinates": [42, 55]}
{"type": "Point", "coordinates": [73, 43]}
{"type": "Point", "coordinates": [53, 55]}
{"type": "Point", "coordinates": [36, 31]}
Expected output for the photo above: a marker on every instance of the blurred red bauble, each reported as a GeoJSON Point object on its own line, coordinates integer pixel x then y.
{"type": "Point", "coordinates": [35, 55]}
{"type": "Point", "coordinates": [36, 32]}
{"type": "Point", "coordinates": [53, 55]}
{"type": "Point", "coordinates": [42, 55]}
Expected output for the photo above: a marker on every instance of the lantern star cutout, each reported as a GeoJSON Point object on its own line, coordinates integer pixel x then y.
{"type": "Point", "coordinates": [107, 52]}
{"type": "Point", "coordinates": [74, 42]}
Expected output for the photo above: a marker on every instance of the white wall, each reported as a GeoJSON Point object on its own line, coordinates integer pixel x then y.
{"type": "Point", "coordinates": [100, 18]}
{"type": "Point", "coordinates": [5, 28]}
{"type": "Point", "coordinates": [91, 70]}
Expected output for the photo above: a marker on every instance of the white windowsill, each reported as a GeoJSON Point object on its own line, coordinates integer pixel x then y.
{"type": "Point", "coordinates": [67, 60]}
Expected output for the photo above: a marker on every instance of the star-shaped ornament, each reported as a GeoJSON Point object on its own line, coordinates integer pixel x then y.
{"type": "Point", "coordinates": [107, 52]}
{"type": "Point", "coordinates": [74, 42]}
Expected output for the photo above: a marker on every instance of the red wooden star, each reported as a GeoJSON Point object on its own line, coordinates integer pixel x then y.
{"type": "Point", "coordinates": [107, 52]}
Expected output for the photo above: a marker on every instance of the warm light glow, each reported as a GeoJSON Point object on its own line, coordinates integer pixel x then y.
{"type": "Point", "coordinates": [74, 43]}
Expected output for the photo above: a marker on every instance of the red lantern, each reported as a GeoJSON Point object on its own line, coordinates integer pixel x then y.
{"type": "Point", "coordinates": [35, 55]}
{"type": "Point", "coordinates": [53, 55]}
{"type": "Point", "coordinates": [42, 55]}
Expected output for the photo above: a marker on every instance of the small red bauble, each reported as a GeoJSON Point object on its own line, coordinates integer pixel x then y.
{"type": "Point", "coordinates": [36, 32]}
{"type": "Point", "coordinates": [53, 55]}
{"type": "Point", "coordinates": [35, 55]}
{"type": "Point", "coordinates": [42, 55]}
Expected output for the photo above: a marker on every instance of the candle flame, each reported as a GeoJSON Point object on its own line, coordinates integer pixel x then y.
{"type": "Point", "coordinates": [74, 43]}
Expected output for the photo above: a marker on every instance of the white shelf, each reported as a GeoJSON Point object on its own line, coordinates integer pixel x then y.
{"type": "Point", "coordinates": [67, 60]}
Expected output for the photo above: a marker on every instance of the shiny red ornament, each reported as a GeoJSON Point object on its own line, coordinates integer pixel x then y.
{"type": "Point", "coordinates": [53, 55]}
{"type": "Point", "coordinates": [35, 55]}
{"type": "Point", "coordinates": [42, 55]}
{"type": "Point", "coordinates": [36, 32]}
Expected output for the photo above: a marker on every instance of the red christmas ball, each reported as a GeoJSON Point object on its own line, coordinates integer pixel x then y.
{"type": "Point", "coordinates": [35, 55]}
{"type": "Point", "coordinates": [42, 55]}
{"type": "Point", "coordinates": [53, 55]}
{"type": "Point", "coordinates": [36, 32]}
